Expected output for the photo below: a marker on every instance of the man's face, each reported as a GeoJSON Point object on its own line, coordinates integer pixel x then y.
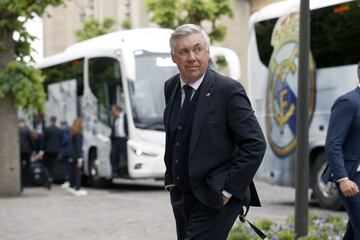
{"type": "Point", "coordinates": [191, 57]}
{"type": "Point", "coordinates": [115, 112]}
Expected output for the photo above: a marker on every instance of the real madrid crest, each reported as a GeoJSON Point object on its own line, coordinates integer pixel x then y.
{"type": "Point", "coordinates": [282, 85]}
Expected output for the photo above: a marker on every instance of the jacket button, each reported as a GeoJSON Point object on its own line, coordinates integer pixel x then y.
{"type": "Point", "coordinates": [177, 178]}
{"type": "Point", "coordinates": [177, 144]}
{"type": "Point", "coordinates": [180, 127]}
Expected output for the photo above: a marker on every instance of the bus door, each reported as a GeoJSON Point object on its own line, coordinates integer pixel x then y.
{"type": "Point", "coordinates": [105, 84]}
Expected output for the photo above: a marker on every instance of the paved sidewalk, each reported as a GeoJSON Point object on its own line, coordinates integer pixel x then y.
{"type": "Point", "coordinates": [115, 214]}
{"type": "Point", "coordinates": [123, 212]}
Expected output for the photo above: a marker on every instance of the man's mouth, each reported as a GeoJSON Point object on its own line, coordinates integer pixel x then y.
{"type": "Point", "coordinates": [192, 67]}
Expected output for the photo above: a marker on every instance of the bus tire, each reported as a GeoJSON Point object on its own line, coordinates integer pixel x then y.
{"type": "Point", "coordinates": [326, 193]}
{"type": "Point", "coordinates": [93, 178]}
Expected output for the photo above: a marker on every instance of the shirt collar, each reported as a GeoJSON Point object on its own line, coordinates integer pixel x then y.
{"type": "Point", "coordinates": [195, 85]}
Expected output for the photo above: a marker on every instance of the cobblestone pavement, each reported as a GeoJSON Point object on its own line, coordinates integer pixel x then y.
{"type": "Point", "coordinates": [122, 212]}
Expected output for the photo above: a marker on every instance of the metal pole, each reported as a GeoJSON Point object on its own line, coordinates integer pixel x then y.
{"type": "Point", "coordinates": [302, 122]}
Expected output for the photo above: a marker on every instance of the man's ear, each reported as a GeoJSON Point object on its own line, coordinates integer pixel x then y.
{"type": "Point", "coordinates": [172, 56]}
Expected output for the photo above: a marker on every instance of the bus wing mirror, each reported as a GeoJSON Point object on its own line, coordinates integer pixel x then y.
{"type": "Point", "coordinates": [231, 58]}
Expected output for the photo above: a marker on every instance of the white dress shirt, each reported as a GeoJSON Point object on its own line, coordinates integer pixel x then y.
{"type": "Point", "coordinates": [195, 85]}
{"type": "Point", "coordinates": [119, 126]}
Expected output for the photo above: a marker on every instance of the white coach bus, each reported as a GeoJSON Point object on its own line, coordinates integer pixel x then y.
{"type": "Point", "coordinates": [127, 68]}
{"type": "Point", "coordinates": [273, 72]}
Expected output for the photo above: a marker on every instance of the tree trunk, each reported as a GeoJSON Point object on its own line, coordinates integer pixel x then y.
{"type": "Point", "coordinates": [9, 148]}
{"type": "Point", "coordinates": [9, 135]}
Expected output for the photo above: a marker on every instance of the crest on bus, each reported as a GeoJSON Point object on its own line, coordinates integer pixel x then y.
{"type": "Point", "coordinates": [282, 85]}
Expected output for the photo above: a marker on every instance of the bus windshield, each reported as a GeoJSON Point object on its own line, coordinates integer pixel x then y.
{"type": "Point", "coordinates": [147, 89]}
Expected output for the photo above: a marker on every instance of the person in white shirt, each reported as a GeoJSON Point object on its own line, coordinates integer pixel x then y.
{"type": "Point", "coordinates": [118, 153]}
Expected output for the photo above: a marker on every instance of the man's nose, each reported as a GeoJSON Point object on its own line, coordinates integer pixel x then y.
{"type": "Point", "coordinates": [191, 56]}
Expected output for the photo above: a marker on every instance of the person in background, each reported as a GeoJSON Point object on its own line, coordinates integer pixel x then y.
{"type": "Point", "coordinates": [52, 145]}
{"type": "Point", "coordinates": [343, 152]}
{"type": "Point", "coordinates": [39, 129]}
{"type": "Point", "coordinates": [65, 152]}
{"type": "Point", "coordinates": [118, 139]}
{"type": "Point", "coordinates": [76, 158]}
{"type": "Point", "coordinates": [26, 150]}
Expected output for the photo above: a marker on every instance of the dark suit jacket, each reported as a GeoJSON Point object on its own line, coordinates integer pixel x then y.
{"type": "Point", "coordinates": [26, 143]}
{"type": "Point", "coordinates": [343, 137]}
{"type": "Point", "coordinates": [227, 144]}
{"type": "Point", "coordinates": [52, 140]}
{"type": "Point", "coordinates": [76, 150]}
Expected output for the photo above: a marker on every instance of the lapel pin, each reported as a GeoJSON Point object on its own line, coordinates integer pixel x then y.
{"type": "Point", "coordinates": [208, 94]}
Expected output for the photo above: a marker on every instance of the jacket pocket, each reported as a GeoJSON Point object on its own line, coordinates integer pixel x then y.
{"type": "Point", "coordinates": [351, 164]}
{"type": "Point", "coordinates": [351, 157]}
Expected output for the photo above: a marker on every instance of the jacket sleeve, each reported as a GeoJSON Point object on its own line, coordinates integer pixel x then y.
{"type": "Point", "coordinates": [167, 175]}
{"type": "Point", "coordinates": [341, 117]}
{"type": "Point", "coordinates": [248, 137]}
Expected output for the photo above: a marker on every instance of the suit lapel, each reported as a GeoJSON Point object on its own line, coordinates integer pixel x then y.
{"type": "Point", "coordinates": [173, 87]}
{"type": "Point", "coordinates": [205, 95]}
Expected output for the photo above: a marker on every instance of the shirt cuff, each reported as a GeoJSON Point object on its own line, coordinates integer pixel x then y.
{"type": "Point", "coordinates": [226, 194]}
{"type": "Point", "coordinates": [342, 179]}
{"type": "Point", "coordinates": [169, 187]}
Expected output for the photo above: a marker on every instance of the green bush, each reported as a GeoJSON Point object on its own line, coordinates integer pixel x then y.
{"type": "Point", "coordinates": [320, 228]}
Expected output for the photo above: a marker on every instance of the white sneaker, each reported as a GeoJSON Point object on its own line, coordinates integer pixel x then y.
{"type": "Point", "coordinates": [80, 192]}
{"type": "Point", "coordinates": [65, 185]}
{"type": "Point", "coordinates": [71, 190]}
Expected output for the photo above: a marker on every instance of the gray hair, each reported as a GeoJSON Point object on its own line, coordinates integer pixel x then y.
{"type": "Point", "coordinates": [188, 29]}
{"type": "Point", "coordinates": [117, 107]}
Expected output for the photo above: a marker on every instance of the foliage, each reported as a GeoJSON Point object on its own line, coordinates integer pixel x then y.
{"type": "Point", "coordinates": [93, 27]}
{"type": "Point", "coordinates": [126, 24]}
{"type": "Point", "coordinates": [14, 14]}
{"type": "Point", "coordinates": [171, 14]}
{"type": "Point", "coordinates": [327, 228]}
{"type": "Point", "coordinates": [24, 82]}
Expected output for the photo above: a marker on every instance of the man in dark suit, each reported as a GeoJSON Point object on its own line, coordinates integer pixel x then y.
{"type": "Point", "coordinates": [118, 153]}
{"type": "Point", "coordinates": [52, 145]}
{"type": "Point", "coordinates": [26, 149]}
{"type": "Point", "coordinates": [343, 152]}
{"type": "Point", "coordinates": [214, 144]}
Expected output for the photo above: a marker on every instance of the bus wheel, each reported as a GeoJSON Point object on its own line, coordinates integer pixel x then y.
{"type": "Point", "coordinates": [93, 178]}
{"type": "Point", "coordinates": [326, 193]}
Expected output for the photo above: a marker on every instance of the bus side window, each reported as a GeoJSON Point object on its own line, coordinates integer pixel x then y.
{"type": "Point", "coordinates": [104, 79]}
{"type": "Point", "coordinates": [65, 71]}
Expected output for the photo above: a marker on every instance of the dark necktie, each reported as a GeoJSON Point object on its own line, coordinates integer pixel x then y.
{"type": "Point", "coordinates": [186, 104]}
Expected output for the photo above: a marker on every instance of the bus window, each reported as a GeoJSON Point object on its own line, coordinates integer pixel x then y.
{"type": "Point", "coordinates": [105, 80]}
{"type": "Point", "coordinates": [335, 35]}
{"type": "Point", "coordinates": [147, 90]}
{"type": "Point", "coordinates": [65, 71]}
{"type": "Point", "coordinates": [263, 32]}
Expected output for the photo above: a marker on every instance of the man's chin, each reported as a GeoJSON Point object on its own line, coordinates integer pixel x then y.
{"type": "Point", "coordinates": [190, 78]}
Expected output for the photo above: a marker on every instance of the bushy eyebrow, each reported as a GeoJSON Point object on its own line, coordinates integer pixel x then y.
{"type": "Point", "coordinates": [196, 45]}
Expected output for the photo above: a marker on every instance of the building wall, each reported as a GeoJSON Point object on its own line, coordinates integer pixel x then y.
{"type": "Point", "coordinates": [59, 29]}
{"type": "Point", "coordinates": [257, 4]}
